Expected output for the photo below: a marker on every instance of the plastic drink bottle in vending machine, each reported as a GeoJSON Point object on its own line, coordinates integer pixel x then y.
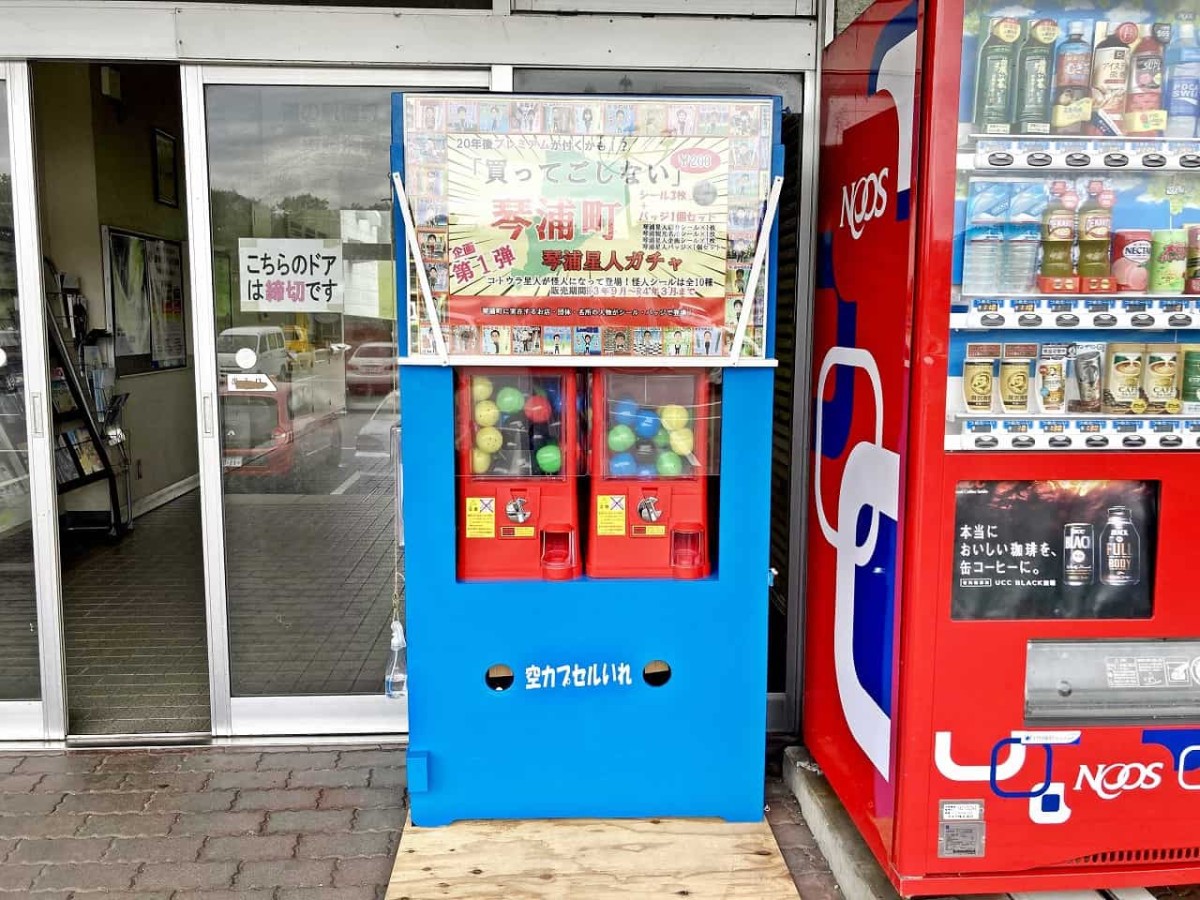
{"type": "Point", "coordinates": [994, 87]}
{"type": "Point", "coordinates": [983, 250]}
{"type": "Point", "coordinates": [1095, 230]}
{"type": "Point", "coordinates": [1072, 82]}
{"type": "Point", "coordinates": [1035, 59]}
{"type": "Point", "coordinates": [1059, 224]}
{"type": "Point", "coordinates": [1022, 235]}
{"type": "Point", "coordinates": [1144, 113]}
{"type": "Point", "coordinates": [1183, 82]}
{"type": "Point", "coordinates": [1110, 75]}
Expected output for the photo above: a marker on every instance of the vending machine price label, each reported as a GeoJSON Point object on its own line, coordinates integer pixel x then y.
{"type": "Point", "coordinates": [1098, 306]}
{"type": "Point", "coordinates": [1060, 305]}
{"type": "Point", "coordinates": [1191, 425]}
{"type": "Point", "coordinates": [1162, 426]}
{"type": "Point", "coordinates": [1134, 305]}
{"type": "Point", "coordinates": [1125, 426]}
{"type": "Point", "coordinates": [1018, 426]}
{"type": "Point", "coordinates": [985, 305]}
{"type": "Point", "coordinates": [1054, 426]}
{"type": "Point", "coordinates": [1089, 427]}
{"type": "Point", "coordinates": [1024, 306]}
{"type": "Point", "coordinates": [981, 426]}
{"type": "Point", "coordinates": [1172, 306]}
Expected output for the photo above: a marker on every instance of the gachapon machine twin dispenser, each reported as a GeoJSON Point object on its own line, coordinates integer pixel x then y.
{"type": "Point", "coordinates": [518, 461]}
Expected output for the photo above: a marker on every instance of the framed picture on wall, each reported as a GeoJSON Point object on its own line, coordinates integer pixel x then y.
{"type": "Point", "coordinates": [166, 172]}
{"type": "Point", "coordinates": [143, 284]}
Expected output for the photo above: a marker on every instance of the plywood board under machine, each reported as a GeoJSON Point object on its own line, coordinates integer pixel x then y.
{"type": "Point", "coordinates": [591, 859]}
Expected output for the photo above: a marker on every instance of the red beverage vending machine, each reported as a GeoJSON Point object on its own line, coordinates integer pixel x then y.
{"type": "Point", "coordinates": [651, 462]}
{"type": "Point", "coordinates": [1003, 645]}
{"type": "Point", "coordinates": [517, 437]}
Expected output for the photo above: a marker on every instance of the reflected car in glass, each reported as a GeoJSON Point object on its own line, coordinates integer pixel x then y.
{"type": "Point", "coordinates": [274, 439]}
{"type": "Point", "coordinates": [371, 369]}
{"type": "Point", "coordinates": [374, 440]}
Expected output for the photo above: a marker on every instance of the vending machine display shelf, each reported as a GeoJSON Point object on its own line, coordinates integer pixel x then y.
{"type": "Point", "coordinates": [1072, 312]}
{"type": "Point", "coordinates": [1146, 156]}
{"type": "Point", "coordinates": [1000, 431]}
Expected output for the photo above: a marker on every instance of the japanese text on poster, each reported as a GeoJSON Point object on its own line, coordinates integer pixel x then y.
{"type": "Point", "coordinates": [587, 226]}
{"type": "Point", "coordinates": [1054, 549]}
{"type": "Point", "coordinates": [290, 275]}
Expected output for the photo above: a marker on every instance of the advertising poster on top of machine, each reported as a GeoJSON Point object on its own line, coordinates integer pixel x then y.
{"type": "Point", "coordinates": [601, 226]}
{"type": "Point", "coordinates": [1054, 549]}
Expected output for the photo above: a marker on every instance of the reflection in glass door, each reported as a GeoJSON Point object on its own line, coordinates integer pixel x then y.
{"type": "Point", "coordinates": [27, 639]}
{"type": "Point", "coordinates": [19, 669]}
{"type": "Point", "coordinates": [303, 364]}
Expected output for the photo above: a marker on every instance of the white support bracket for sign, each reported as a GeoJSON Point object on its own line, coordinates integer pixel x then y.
{"type": "Point", "coordinates": [760, 256]}
{"type": "Point", "coordinates": [414, 247]}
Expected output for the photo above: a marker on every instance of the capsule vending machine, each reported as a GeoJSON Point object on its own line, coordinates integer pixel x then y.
{"type": "Point", "coordinates": [650, 487]}
{"type": "Point", "coordinates": [586, 441]}
{"type": "Point", "coordinates": [1002, 664]}
{"type": "Point", "coordinates": [518, 460]}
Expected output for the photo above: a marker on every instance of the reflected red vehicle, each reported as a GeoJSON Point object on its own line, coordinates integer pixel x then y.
{"type": "Point", "coordinates": [278, 436]}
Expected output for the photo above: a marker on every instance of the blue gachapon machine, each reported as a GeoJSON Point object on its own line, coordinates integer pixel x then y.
{"type": "Point", "coordinates": [586, 409]}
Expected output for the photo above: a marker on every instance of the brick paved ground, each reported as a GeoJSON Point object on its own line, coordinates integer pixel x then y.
{"type": "Point", "coordinates": [238, 824]}
{"type": "Point", "coordinates": [799, 847]}
{"type": "Point", "coordinates": [201, 824]}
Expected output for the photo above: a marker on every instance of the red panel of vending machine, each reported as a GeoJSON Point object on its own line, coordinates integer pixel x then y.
{"type": "Point", "coordinates": [518, 462]}
{"type": "Point", "coordinates": [1002, 660]}
{"type": "Point", "coordinates": [651, 459]}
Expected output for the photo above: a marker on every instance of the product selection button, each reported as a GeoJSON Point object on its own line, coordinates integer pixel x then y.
{"type": "Point", "coordinates": [1116, 160]}
{"type": "Point", "coordinates": [1154, 160]}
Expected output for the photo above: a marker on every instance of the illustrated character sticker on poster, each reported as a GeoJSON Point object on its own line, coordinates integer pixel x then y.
{"type": "Point", "coordinates": [1054, 549]}
{"type": "Point", "coordinates": [597, 213]}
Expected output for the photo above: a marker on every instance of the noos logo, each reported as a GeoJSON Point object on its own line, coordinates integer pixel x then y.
{"type": "Point", "coordinates": [864, 200]}
{"type": "Point", "coordinates": [1110, 781]}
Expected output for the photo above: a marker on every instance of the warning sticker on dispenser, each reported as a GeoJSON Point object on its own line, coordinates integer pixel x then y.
{"type": "Point", "coordinates": [481, 517]}
{"type": "Point", "coordinates": [610, 515]}
{"type": "Point", "coordinates": [517, 531]}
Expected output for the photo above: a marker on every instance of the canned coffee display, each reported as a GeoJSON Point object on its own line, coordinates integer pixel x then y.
{"type": "Point", "coordinates": [1079, 561]}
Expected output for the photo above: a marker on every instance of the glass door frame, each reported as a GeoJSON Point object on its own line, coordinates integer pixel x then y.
{"type": "Point", "coordinates": [45, 719]}
{"type": "Point", "coordinates": [267, 716]}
